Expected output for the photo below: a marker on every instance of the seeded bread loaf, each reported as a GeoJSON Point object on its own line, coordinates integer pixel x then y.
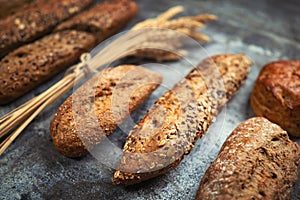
{"type": "Point", "coordinates": [32, 64]}
{"type": "Point", "coordinates": [117, 92]}
{"type": "Point", "coordinates": [257, 161]}
{"type": "Point", "coordinates": [29, 24]}
{"type": "Point", "coordinates": [276, 95]}
{"type": "Point", "coordinates": [182, 115]}
{"type": "Point", "coordinates": [103, 19]}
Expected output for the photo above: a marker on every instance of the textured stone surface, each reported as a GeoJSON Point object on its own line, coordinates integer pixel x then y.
{"type": "Point", "coordinates": [265, 30]}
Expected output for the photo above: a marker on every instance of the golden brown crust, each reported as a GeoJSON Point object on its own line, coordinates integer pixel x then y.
{"type": "Point", "coordinates": [26, 26]}
{"type": "Point", "coordinates": [102, 20]}
{"type": "Point", "coordinates": [109, 102]}
{"type": "Point", "coordinates": [171, 127]}
{"type": "Point", "coordinates": [276, 95]}
{"type": "Point", "coordinates": [30, 65]}
{"type": "Point", "coordinates": [257, 161]}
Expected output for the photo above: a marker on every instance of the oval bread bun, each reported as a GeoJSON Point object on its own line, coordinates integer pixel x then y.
{"type": "Point", "coordinates": [276, 95]}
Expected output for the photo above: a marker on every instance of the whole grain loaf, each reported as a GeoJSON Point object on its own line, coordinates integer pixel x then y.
{"type": "Point", "coordinates": [257, 161]}
{"type": "Point", "coordinates": [99, 106]}
{"type": "Point", "coordinates": [30, 65]}
{"type": "Point", "coordinates": [276, 95]}
{"type": "Point", "coordinates": [29, 24]}
{"type": "Point", "coordinates": [182, 115]}
{"type": "Point", "coordinates": [103, 19]}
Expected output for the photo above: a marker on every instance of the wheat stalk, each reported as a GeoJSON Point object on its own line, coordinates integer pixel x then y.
{"type": "Point", "coordinates": [157, 43]}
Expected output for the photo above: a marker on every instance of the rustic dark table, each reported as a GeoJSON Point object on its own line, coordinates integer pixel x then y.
{"type": "Point", "coordinates": [265, 30]}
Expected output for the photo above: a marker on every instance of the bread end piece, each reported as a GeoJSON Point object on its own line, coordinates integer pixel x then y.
{"type": "Point", "coordinates": [276, 95]}
{"type": "Point", "coordinates": [257, 161]}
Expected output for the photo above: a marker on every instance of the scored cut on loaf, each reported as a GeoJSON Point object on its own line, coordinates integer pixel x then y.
{"type": "Point", "coordinates": [36, 21]}
{"type": "Point", "coordinates": [117, 93]}
{"type": "Point", "coordinates": [30, 65]}
{"type": "Point", "coordinates": [257, 161]}
{"type": "Point", "coordinates": [182, 115]}
{"type": "Point", "coordinates": [276, 95]}
{"type": "Point", "coordinates": [103, 19]}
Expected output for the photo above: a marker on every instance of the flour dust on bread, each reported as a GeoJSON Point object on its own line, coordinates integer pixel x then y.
{"type": "Point", "coordinates": [257, 161]}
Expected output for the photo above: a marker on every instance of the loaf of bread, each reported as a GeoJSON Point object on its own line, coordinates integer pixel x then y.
{"type": "Point", "coordinates": [32, 64]}
{"type": "Point", "coordinates": [29, 24]}
{"type": "Point", "coordinates": [103, 19]}
{"type": "Point", "coordinates": [182, 115]}
{"type": "Point", "coordinates": [116, 92]}
{"type": "Point", "coordinates": [257, 161]}
{"type": "Point", "coordinates": [276, 95]}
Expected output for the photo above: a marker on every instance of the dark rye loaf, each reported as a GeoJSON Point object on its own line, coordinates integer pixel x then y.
{"type": "Point", "coordinates": [257, 161]}
{"type": "Point", "coordinates": [102, 20]}
{"type": "Point", "coordinates": [182, 115]}
{"type": "Point", "coordinates": [32, 64]}
{"type": "Point", "coordinates": [115, 93]}
{"type": "Point", "coordinates": [36, 21]}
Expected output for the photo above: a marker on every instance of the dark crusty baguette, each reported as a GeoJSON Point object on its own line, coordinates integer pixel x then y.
{"type": "Point", "coordinates": [276, 95]}
{"type": "Point", "coordinates": [32, 64]}
{"type": "Point", "coordinates": [29, 24]}
{"type": "Point", "coordinates": [102, 20]}
{"type": "Point", "coordinates": [182, 115]}
{"type": "Point", "coordinates": [257, 161]}
{"type": "Point", "coordinates": [117, 92]}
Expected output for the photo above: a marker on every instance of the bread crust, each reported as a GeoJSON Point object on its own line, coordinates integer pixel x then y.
{"type": "Point", "coordinates": [103, 19]}
{"type": "Point", "coordinates": [276, 95]}
{"type": "Point", "coordinates": [182, 115]}
{"type": "Point", "coordinates": [257, 161]}
{"type": "Point", "coordinates": [36, 21]}
{"type": "Point", "coordinates": [73, 134]}
{"type": "Point", "coordinates": [30, 65]}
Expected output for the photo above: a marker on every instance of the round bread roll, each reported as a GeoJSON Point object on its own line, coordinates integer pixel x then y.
{"type": "Point", "coordinates": [276, 95]}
